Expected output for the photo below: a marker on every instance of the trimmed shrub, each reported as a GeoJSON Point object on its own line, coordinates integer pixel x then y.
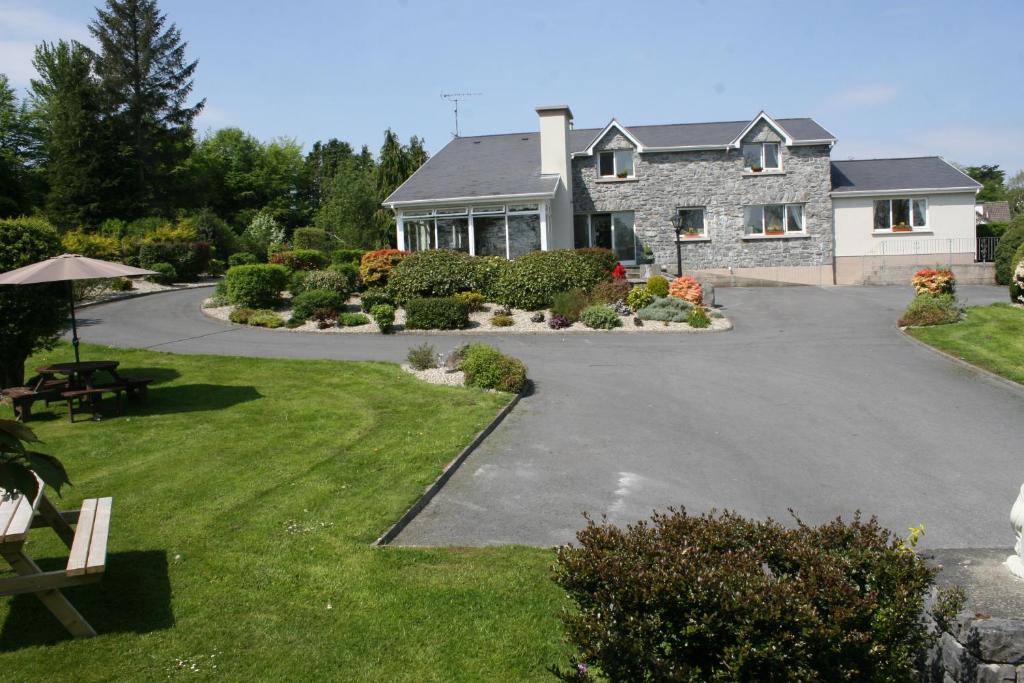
{"type": "Point", "coordinates": [600, 318]}
{"type": "Point", "coordinates": [488, 270]}
{"type": "Point", "coordinates": [639, 297]}
{"type": "Point", "coordinates": [723, 598]}
{"type": "Point", "coordinates": [349, 271]}
{"type": "Point", "coordinates": [502, 320]}
{"type": "Point", "coordinates": [442, 313]}
{"type": "Point", "coordinates": [611, 291]}
{"type": "Point", "coordinates": [422, 357]}
{"type": "Point", "coordinates": [240, 315]}
{"type": "Point", "coordinates": [310, 238]}
{"type": "Point", "coordinates": [604, 258]}
{"type": "Point", "coordinates": [300, 259]}
{"type": "Point", "coordinates": [488, 368]}
{"type": "Point", "coordinates": [926, 309]}
{"type": "Point", "coordinates": [304, 281]}
{"type": "Point", "coordinates": [242, 258]}
{"type": "Point", "coordinates": [165, 274]}
{"type": "Point", "coordinates": [265, 318]}
{"type": "Point", "coordinates": [1007, 246]}
{"type": "Point", "coordinates": [352, 319]}
{"type": "Point", "coordinates": [189, 259]}
{"type": "Point", "coordinates": [375, 266]}
{"type": "Point", "coordinates": [666, 309]}
{"type": "Point", "coordinates": [305, 304]}
{"type": "Point", "coordinates": [432, 273]}
{"type": "Point", "coordinates": [698, 318]}
{"type": "Point", "coordinates": [475, 300]}
{"type": "Point", "coordinates": [686, 288]}
{"type": "Point", "coordinates": [257, 286]}
{"type": "Point", "coordinates": [532, 281]}
{"type": "Point", "coordinates": [657, 285]}
{"type": "Point", "coordinates": [347, 256]}
{"type": "Point", "coordinates": [934, 282]}
{"type": "Point", "coordinates": [558, 322]}
{"type": "Point", "coordinates": [216, 267]}
{"type": "Point", "coordinates": [372, 297]}
{"type": "Point", "coordinates": [384, 316]}
{"type": "Point", "coordinates": [570, 304]}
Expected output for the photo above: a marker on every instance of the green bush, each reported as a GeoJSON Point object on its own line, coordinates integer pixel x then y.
{"type": "Point", "coordinates": [600, 317]}
{"type": "Point", "coordinates": [305, 304]}
{"type": "Point", "coordinates": [722, 598]}
{"type": "Point", "coordinates": [639, 297]}
{"type": "Point", "coordinates": [442, 313]}
{"type": "Point", "coordinates": [300, 259]}
{"type": "Point", "coordinates": [240, 315]}
{"type": "Point", "coordinates": [570, 304]}
{"type": "Point", "coordinates": [698, 318]}
{"type": "Point", "coordinates": [488, 270]}
{"type": "Point", "coordinates": [993, 229]}
{"type": "Point", "coordinates": [666, 309]}
{"type": "Point", "coordinates": [502, 320]}
{"type": "Point", "coordinates": [265, 318]}
{"type": "Point", "coordinates": [657, 285]}
{"type": "Point", "coordinates": [372, 297]}
{"type": "Point", "coordinates": [604, 258]}
{"type": "Point", "coordinates": [926, 309]}
{"type": "Point", "coordinates": [306, 280]}
{"type": "Point", "coordinates": [488, 368]}
{"type": "Point", "coordinates": [384, 316]}
{"type": "Point", "coordinates": [256, 286]}
{"type": "Point", "coordinates": [532, 281]}
{"type": "Point", "coordinates": [216, 267]}
{"type": "Point", "coordinates": [1007, 246]}
{"type": "Point", "coordinates": [352, 320]}
{"type": "Point", "coordinates": [432, 273]}
{"type": "Point", "coordinates": [190, 259]}
{"type": "Point", "coordinates": [310, 238]}
{"type": "Point", "coordinates": [242, 258]}
{"type": "Point", "coordinates": [611, 291]}
{"type": "Point", "coordinates": [165, 274]}
{"type": "Point", "coordinates": [346, 256]}
{"type": "Point", "coordinates": [349, 271]}
{"type": "Point", "coordinates": [422, 357]}
{"type": "Point", "coordinates": [475, 300]}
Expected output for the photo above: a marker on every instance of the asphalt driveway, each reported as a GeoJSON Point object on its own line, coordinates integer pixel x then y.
{"type": "Point", "coordinates": [815, 402]}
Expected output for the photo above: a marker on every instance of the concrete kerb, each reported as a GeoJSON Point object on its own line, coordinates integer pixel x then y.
{"type": "Point", "coordinates": [450, 469]}
{"type": "Point", "coordinates": [987, 374]}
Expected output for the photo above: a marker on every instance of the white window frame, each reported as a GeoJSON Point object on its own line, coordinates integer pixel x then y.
{"type": "Point", "coordinates": [615, 164]}
{"type": "Point", "coordinates": [778, 155]}
{"type": "Point", "coordinates": [785, 221]}
{"type": "Point", "coordinates": [910, 214]}
{"type": "Point", "coordinates": [703, 218]}
{"type": "Point", "coordinates": [590, 227]}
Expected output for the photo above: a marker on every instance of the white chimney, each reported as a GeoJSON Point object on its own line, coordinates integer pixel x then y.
{"type": "Point", "coordinates": [554, 160]}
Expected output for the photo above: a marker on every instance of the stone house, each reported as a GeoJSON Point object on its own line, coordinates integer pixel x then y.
{"type": "Point", "coordinates": [753, 200]}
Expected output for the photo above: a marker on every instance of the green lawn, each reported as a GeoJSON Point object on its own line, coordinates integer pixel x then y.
{"type": "Point", "coordinates": [991, 337]}
{"type": "Point", "coordinates": [246, 498]}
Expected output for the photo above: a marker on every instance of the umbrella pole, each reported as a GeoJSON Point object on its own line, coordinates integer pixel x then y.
{"type": "Point", "coordinates": [74, 324]}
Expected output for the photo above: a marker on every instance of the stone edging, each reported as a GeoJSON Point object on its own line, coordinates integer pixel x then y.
{"type": "Point", "coordinates": [448, 471]}
{"type": "Point", "coordinates": [988, 374]}
{"type": "Point", "coordinates": [136, 295]}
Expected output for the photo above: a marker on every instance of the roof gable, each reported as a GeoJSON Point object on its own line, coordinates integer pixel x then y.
{"type": "Point", "coordinates": [770, 122]}
{"type": "Point", "coordinates": [612, 125]}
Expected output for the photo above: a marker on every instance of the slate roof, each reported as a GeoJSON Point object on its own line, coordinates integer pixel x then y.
{"type": "Point", "coordinates": [497, 165]}
{"type": "Point", "coordinates": [995, 212]}
{"type": "Point", "coordinates": [882, 175]}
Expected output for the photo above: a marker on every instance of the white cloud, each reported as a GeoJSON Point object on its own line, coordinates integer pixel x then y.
{"type": "Point", "coordinates": [863, 96]}
{"type": "Point", "coordinates": [21, 29]}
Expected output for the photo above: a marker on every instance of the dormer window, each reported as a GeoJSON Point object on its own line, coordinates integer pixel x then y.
{"type": "Point", "coordinates": [615, 164]}
{"type": "Point", "coordinates": [759, 156]}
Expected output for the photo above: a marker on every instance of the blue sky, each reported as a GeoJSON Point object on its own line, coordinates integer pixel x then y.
{"type": "Point", "coordinates": [887, 78]}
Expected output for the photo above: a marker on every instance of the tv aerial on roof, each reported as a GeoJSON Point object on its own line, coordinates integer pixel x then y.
{"type": "Point", "coordinates": [455, 98]}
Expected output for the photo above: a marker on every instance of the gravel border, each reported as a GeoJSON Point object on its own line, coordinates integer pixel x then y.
{"type": "Point", "coordinates": [479, 324]}
{"type": "Point", "coordinates": [438, 376]}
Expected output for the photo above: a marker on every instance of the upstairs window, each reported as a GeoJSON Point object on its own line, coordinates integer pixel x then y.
{"type": "Point", "coordinates": [901, 214]}
{"type": "Point", "coordinates": [761, 155]}
{"type": "Point", "coordinates": [616, 164]}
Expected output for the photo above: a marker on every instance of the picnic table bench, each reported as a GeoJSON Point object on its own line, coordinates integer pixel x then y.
{"type": "Point", "coordinates": [87, 543]}
{"type": "Point", "coordinates": [79, 387]}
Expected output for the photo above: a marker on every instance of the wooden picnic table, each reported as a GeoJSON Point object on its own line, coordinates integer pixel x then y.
{"type": "Point", "coordinates": [81, 384]}
{"type": "Point", "coordinates": [81, 374]}
{"type": "Point", "coordinates": [87, 543]}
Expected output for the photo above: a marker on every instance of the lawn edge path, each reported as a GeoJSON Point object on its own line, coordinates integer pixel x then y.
{"type": "Point", "coordinates": [435, 487]}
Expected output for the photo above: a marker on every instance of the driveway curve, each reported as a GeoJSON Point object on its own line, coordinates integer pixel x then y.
{"type": "Point", "coordinates": [815, 402]}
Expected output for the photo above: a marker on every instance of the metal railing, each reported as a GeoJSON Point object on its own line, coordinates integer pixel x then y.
{"type": "Point", "coordinates": [986, 250]}
{"type": "Point", "coordinates": [910, 246]}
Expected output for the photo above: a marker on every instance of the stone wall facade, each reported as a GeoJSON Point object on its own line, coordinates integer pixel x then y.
{"type": "Point", "coordinates": [715, 180]}
{"type": "Point", "coordinates": [978, 650]}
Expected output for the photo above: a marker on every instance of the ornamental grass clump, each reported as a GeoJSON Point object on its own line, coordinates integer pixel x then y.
{"type": "Point", "coordinates": [570, 305]}
{"type": "Point", "coordinates": [934, 282]}
{"type": "Point", "coordinates": [698, 318]}
{"type": "Point", "coordinates": [686, 288]}
{"type": "Point", "coordinates": [719, 597]}
{"type": "Point", "coordinates": [926, 309]}
{"type": "Point", "coordinates": [667, 309]}
{"type": "Point", "coordinates": [599, 317]}
{"type": "Point", "coordinates": [488, 368]}
{"type": "Point", "coordinates": [422, 357]}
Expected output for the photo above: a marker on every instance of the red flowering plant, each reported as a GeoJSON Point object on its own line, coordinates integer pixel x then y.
{"type": "Point", "coordinates": [376, 266]}
{"type": "Point", "coordinates": [618, 272]}
{"type": "Point", "coordinates": [934, 282]}
{"type": "Point", "coordinates": [687, 288]}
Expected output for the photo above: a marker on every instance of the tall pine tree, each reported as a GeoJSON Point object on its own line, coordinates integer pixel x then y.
{"type": "Point", "coordinates": [146, 82]}
{"type": "Point", "coordinates": [75, 145]}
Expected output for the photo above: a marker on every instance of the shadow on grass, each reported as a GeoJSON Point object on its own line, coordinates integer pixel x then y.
{"type": "Point", "coordinates": [189, 398]}
{"type": "Point", "coordinates": [134, 596]}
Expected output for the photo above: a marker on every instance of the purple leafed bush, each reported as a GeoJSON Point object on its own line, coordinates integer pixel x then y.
{"type": "Point", "coordinates": [557, 322]}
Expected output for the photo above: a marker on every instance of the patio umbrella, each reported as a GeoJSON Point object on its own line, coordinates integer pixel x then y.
{"type": "Point", "coordinates": [69, 267]}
